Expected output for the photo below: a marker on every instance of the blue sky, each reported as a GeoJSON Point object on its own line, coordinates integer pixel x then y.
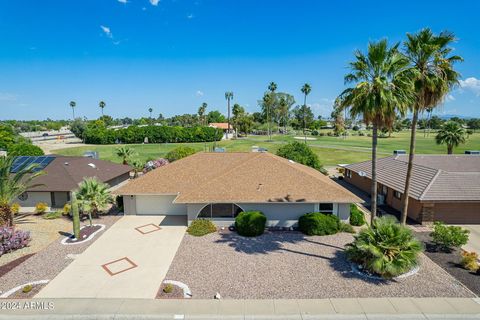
{"type": "Point", "coordinates": [172, 55]}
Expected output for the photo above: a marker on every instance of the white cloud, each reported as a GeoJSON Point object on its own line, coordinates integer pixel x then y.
{"type": "Point", "coordinates": [122, 1]}
{"type": "Point", "coordinates": [107, 31]}
{"type": "Point", "coordinates": [190, 16]}
{"type": "Point", "coordinates": [154, 2]}
{"type": "Point", "coordinates": [199, 93]}
{"type": "Point", "coordinates": [143, 8]}
{"type": "Point", "coordinates": [5, 96]}
{"type": "Point", "coordinates": [472, 84]}
{"type": "Point", "coordinates": [450, 98]}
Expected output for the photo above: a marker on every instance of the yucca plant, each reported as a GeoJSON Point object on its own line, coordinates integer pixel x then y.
{"type": "Point", "coordinates": [386, 248]}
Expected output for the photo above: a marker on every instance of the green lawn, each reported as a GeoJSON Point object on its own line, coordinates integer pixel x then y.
{"type": "Point", "coordinates": [331, 150]}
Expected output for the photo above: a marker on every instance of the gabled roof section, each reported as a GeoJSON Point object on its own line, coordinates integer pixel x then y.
{"type": "Point", "coordinates": [239, 177]}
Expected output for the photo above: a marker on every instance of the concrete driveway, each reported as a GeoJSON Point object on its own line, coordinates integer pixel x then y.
{"type": "Point", "coordinates": [474, 239]}
{"type": "Point", "coordinates": [130, 260]}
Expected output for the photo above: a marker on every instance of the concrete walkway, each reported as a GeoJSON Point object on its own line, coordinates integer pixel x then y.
{"type": "Point", "coordinates": [368, 308]}
{"type": "Point", "coordinates": [130, 260]}
{"type": "Point", "coordinates": [474, 238]}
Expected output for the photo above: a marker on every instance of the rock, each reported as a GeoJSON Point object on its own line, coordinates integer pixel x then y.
{"type": "Point", "coordinates": [217, 296]}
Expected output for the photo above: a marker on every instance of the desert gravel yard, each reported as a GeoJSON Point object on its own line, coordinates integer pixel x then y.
{"type": "Point", "coordinates": [288, 265]}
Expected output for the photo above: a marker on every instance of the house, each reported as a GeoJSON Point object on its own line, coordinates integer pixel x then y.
{"type": "Point", "coordinates": [227, 134]}
{"type": "Point", "coordinates": [443, 187]}
{"type": "Point", "coordinates": [218, 186]}
{"type": "Point", "coordinates": [63, 174]}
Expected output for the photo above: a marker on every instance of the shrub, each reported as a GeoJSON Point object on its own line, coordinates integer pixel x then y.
{"type": "Point", "coordinates": [447, 237]}
{"type": "Point", "coordinates": [386, 248]}
{"type": "Point", "coordinates": [27, 288]}
{"type": "Point", "coordinates": [15, 207]}
{"type": "Point", "coordinates": [201, 227]}
{"type": "Point", "coordinates": [318, 224]}
{"type": "Point", "coordinates": [41, 208]}
{"type": "Point", "coordinates": [301, 153]}
{"type": "Point", "coordinates": [469, 260]}
{"type": "Point", "coordinates": [345, 227]}
{"type": "Point", "coordinates": [168, 288]}
{"type": "Point", "coordinates": [179, 153]}
{"type": "Point", "coordinates": [53, 215]}
{"type": "Point", "coordinates": [315, 133]}
{"type": "Point", "coordinates": [11, 239]}
{"type": "Point", "coordinates": [66, 209]}
{"type": "Point", "coordinates": [24, 149]}
{"type": "Point", "coordinates": [357, 218]}
{"type": "Point", "coordinates": [250, 223]}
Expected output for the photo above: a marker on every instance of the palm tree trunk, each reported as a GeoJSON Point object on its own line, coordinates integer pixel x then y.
{"type": "Point", "coordinates": [7, 213]}
{"type": "Point", "coordinates": [228, 119]}
{"type": "Point", "coordinates": [449, 149]}
{"type": "Point", "coordinates": [73, 111]}
{"type": "Point", "coordinates": [411, 155]}
{"type": "Point", "coordinates": [304, 120]}
{"type": "Point", "coordinates": [374, 173]}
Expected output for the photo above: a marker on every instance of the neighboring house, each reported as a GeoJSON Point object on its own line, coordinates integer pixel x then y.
{"type": "Point", "coordinates": [224, 127]}
{"type": "Point", "coordinates": [443, 187]}
{"type": "Point", "coordinates": [218, 186]}
{"type": "Point", "coordinates": [63, 174]}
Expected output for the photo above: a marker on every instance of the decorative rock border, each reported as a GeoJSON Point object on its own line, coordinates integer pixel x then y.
{"type": "Point", "coordinates": [356, 270]}
{"type": "Point", "coordinates": [90, 237]}
{"type": "Point", "coordinates": [187, 294]}
{"type": "Point", "coordinates": [12, 291]}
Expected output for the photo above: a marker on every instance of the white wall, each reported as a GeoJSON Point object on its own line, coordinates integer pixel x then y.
{"type": "Point", "coordinates": [34, 198]}
{"type": "Point", "coordinates": [159, 205]}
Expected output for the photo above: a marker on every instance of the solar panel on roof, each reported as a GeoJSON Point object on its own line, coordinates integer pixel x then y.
{"type": "Point", "coordinates": [24, 161]}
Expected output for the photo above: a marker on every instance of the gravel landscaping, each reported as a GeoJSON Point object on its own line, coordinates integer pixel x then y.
{"type": "Point", "coordinates": [290, 265]}
{"type": "Point", "coordinates": [50, 261]}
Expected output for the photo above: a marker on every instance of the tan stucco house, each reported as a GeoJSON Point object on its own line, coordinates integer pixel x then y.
{"type": "Point", "coordinates": [443, 187]}
{"type": "Point", "coordinates": [218, 186]}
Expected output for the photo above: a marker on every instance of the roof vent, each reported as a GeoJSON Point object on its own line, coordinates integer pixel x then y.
{"type": "Point", "coordinates": [259, 186]}
{"type": "Point", "coordinates": [362, 174]}
{"type": "Point", "coordinates": [92, 165]}
{"type": "Point", "coordinates": [66, 163]}
{"type": "Point", "coordinates": [291, 161]}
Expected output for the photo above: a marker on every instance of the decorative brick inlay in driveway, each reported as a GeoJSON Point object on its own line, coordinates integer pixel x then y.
{"type": "Point", "coordinates": [148, 228]}
{"type": "Point", "coordinates": [119, 266]}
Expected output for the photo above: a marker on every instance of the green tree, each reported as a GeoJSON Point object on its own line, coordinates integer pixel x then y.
{"type": "Point", "coordinates": [102, 105]}
{"type": "Point", "coordinates": [7, 136]}
{"type": "Point", "coordinates": [24, 149]}
{"type": "Point", "coordinates": [301, 153]}
{"type": "Point", "coordinates": [452, 134]}
{"type": "Point", "coordinates": [215, 117]}
{"type": "Point", "coordinates": [285, 102]}
{"type": "Point", "coordinates": [126, 153]}
{"type": "Point", "coordinates": [303, 116]}
{"type": "Point", "coordinates": [228, 97]}
{"type": "Point", "coordinates": [72, 105]}
{"type": "Point", "coordinates": [137, 166]}
{"type": "Point", "coordinates": [150, 110]}
{"type": "Point", "coordinates": [431, 59]}
{"type": "Point", "coordinates": [238, 112]}
{"type": "Point", "coordinates": [201, 113]}
{"type": "Point", "coordinates": [94, 196]}
{"type": "Point", "coordinates": [13, 184]}
{"type": "Point", "coordinates": [179, 153]}
{"type": "Point", "coordinates": [473, 124]}
{"type": "Point", "coordinates": [306, 89]}
{"type": "Point", "coordinates": [382, 88]}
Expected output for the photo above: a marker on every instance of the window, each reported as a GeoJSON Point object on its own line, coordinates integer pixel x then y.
{"type": "Point", "coordinates": [382, 189]}
{"type": "Point", "coordinates": [23, 196]}
{"type": "Point", "coordinates": [397, 195]}
{"type": "Point", "coordinates": [326, 207]}
{"type": "Point", "coordinates": [348, 173]}
{"type": "Point", "coordinates": [220, 210]}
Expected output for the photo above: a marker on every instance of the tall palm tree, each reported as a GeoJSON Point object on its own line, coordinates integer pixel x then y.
{"type": "Point", "coordinates": [102, 105]}
{"type": "Point", "coordinates": [383, 88]}
{"type": "Point", "coordinates": [94, 196]}
{"type": "Point", "coordinates": [201, 113]}
{"type": "Point", "coordinates": [73, 104]}
{"type": "Point", "coordinates": [430, 56]}
{"type": "Point", "coordinates": [228, 97]}
{"type": "Point", "coordinates": [272, 87]}
{"type": "Point", "coordinates": [14, 184]}
{"type": "Point", "coordinates": [451, 134]}
{"type": "Point", "coordinates": [126, 153]}
{"type": "Point", "coordinates": [306, 89]}
{"type": "Point", "coordinates": [150, 110]}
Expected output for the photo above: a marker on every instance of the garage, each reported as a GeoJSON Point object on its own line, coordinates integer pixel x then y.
{"type": "Point", "coordinates": [158, 205]}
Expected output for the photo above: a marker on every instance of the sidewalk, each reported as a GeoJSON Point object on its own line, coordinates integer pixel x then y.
{"type": "Point", "coordinates": [364, 308]}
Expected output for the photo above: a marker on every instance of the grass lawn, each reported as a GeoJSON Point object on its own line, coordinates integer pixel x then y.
{"type": "Point", "coordinates": [331, 150]}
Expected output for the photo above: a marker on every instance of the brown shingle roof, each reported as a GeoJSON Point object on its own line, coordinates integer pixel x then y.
{"type": "Point", "coordinates": [434, 177]}
{"type": "Point", "coordinates": [250, 177]}
{"type": "Point", "coordinates": [65, 173]}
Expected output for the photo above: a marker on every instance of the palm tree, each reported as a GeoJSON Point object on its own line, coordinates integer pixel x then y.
{"type": "Point", "coordinates": [201, 113]}
{"type": "Point", "coordinates": [14, 184]}
{"type": "Point", "coordinates": [272, 87]}
{"type": "Point", "coordinates": [73, 104]}
{"type": "Point", "coordinates": [138, 166]}
{"type": "Point", "coordinates": [228, 97]}
{"type": "Point", "coordinates": [382, 88]}
{"type": "Point", "coordinates": [126, 153]}
{"type": "Point", "coordinates": [150, 110]}
{"type": "Point", "coordinates": [451, 134]}
{"type": "Point", "coordinates": [435, 76]}
{"type": "Point", "coordinates": [94, 196]}
{"type": "Point", "coordinates": [306, 89]}
{"type": "Point", "coordinates": [102, 105]}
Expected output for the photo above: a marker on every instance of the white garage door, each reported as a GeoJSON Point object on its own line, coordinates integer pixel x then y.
{"type": "Point", "coordinates": [159, 205]}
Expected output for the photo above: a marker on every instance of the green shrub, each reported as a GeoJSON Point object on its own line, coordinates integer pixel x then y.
{"type": "Point", "coordinates": [66, 209]}
{"type": "Point", "coordinates": [53, 215]}
{"type": "Point", "coordinates": [168, 288]}
{"type": "Point", "coordinates": [447, 237]}
{"type": "Point", "coordinates": [470, 261]}
{"type": "Point", "coordinates": [250, 223]}
{"type": "Point", "coordinates": [179, 153]}
{"type": "Point", "coordinates": [24, 149]}
{"type": "Point", "coordinates": [345, 227]}
{"type": "Point", "coordinates": [27, 288]}
{"type": "Point", "coordinates": [385, 248]}
{"type": "Point", "coordinates": [301, 153]}
{"type": "Point", "coordinates": [357, 218]}
{"type": "Point", "coordinates": [318, 224]}
{"type": "Point", "coordinates": [15, 207]}
{"type": "Point", "coordinates": [41, 208]}
{"type": "Point", "coordinates": [201, 227]}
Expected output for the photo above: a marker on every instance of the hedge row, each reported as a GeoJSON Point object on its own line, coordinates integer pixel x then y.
{"type": "Point", "coordinates": [155, 134]}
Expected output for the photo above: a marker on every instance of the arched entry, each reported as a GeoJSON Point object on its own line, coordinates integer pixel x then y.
{"type": "Point", "coordinates": [219, 210]}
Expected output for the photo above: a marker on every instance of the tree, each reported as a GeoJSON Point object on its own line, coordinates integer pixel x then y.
{"type": "Point", "coordinates": [285, 102]}
{"type": "Point", "coordinates": [13, 184]}
{"type": "Point", "coordinates": [75, 215]}
{"type": "Point", "coordinates": [126, 153]}
{"type": "Point", "coordinates": [94, 196]}
{"type": "Point", "coordinates": [150, 110]}
{"type": "Point", "coordinates": [430, 58]}
{"type": "Point", "coordinates": [306, 89]}
{"type": "Point", "coordinates": [78, 127]}
{"type": "Point", "coordinates": [228, 97]}
{"type": "Point", "coordinates": [245, 123]}
{"type": "Point", "coordinates": [24, 149]}
{"type": "Point", "coordinates": [137, 166]}
{"type": "Point", "coordinates": [73, 104]}
{"type": "Point", "coordinates": [215, 117]}
{"type": "Point", "coordinates": [301, 153]}
{"type": "Point", "coordinates": [339, 122]}
{"type": "Point", "coordinates": [304, 116]}
{"type": "Point", "coordinates": [451, 134]}
{"type": "Point", "coordinates": [382, 88]}
{"type": "Point", "coordinates": [473, 124]}
{"type": "Point", "coordinates": [201, 113]}
{"type": "Point", "coordinates": [102, 105]}
{"type": "Point", "coordinates": [238, 112]}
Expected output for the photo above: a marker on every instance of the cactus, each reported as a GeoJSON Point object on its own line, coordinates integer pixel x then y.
{"type": "Point", "coordinates": [75, 216]}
